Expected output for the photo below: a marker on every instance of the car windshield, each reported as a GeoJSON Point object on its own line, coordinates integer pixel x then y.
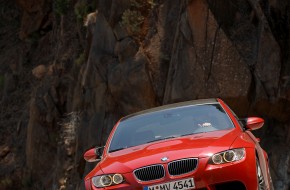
{"type": "Point", "coordinates": [169, 123]}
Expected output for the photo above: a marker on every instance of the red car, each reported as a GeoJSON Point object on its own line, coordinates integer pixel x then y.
{"type": "Point", "coordinates": [191, 145]}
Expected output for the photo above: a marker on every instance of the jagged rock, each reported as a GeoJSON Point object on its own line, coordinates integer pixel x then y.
{"type": "Point", "coordinates": [40, 71]}
{"type": "Point", "coordinates": [10, 84]}
{"type": "Point", "coordinates": [288, 171]}
{"type": "Point", "coordinates": [91, 19]}
{"type": "Point", "coordinates": [62, 181]}
{"type": "Point", "coordinates": [34, 13]}
{"type": "Point", "coordinates": [160, 44]}
{"type": "Point", "coordinates": [126, 49]}
{"type": "Point", "coordinates": [130, 75]}
{"type": "Point", "coordinates": [268, 67]}
{"type": "Point", "coordinates": [116, 11]}
{"type": "Point", "coordinates": [4, 151]}
{"type": "Point", "coordinates": [70, 151]}
{"type": "Point", "coordinates": [103, 40]}
{"type": "Point", "coordinates": [206, 67]}
{"type": "Point", "coordinates": [69, 168]}
{"type": "Point", "coordinates": [120, 32]}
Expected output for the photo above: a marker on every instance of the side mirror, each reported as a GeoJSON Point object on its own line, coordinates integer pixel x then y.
{"type": "Point", "coordinates": [94, 154]}
{"type": "Point", "coordinates": [253, 123]}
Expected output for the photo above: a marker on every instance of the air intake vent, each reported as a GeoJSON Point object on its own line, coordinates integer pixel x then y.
{"type": "Point", "coordinates": [150, 173]}
{"type": "Point", "coordinates": [183, 166]}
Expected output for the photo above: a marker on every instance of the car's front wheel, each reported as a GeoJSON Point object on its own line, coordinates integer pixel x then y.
{"type": "Point", "coordinates": [260, 177]}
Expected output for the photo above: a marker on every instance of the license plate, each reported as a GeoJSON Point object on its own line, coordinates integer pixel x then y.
{"type": "Point", "coordinates": [173, 185]}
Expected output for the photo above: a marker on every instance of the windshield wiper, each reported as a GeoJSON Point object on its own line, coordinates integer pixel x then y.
{"type": "Point", "coordinates": [188, 134]}
{"type": "Point", "coordinates": [117, 149]}
{"type": "Point", "coordinates": [168, 137]}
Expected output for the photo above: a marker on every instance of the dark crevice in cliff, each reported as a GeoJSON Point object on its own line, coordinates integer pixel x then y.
{"type": "Point", "coordinates": [173, 61]}
{"type": "Point", "coordinates": [213, 52]}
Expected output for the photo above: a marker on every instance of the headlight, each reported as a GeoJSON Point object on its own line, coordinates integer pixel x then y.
{"type": "Point", "coordinates": [228, 156]}
{"type": "Point", "coordinates": [107, 180]}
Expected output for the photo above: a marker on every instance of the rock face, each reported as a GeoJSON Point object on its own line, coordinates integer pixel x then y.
{"type": "Point", "coordinates": [205, 62]}
{"type": "Point", "coordinates": [168, 51]}
{"type": "Point", "coordinates": [35, 16]}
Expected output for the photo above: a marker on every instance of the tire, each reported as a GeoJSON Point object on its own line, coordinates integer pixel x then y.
{"type": "Point", "coordinates": [260, 176]}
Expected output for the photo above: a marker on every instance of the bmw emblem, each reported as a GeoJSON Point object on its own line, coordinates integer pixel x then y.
{"type": "Point", "coordinates": [164, 159]}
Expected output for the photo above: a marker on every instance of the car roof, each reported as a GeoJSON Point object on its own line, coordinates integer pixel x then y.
{"type": "Point", "coordinates": [172, 106]}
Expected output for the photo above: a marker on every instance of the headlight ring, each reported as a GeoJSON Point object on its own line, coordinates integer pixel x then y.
{"type": "Point", "coordinates": [118, 178]}
{"type": "Point", "coordinates": [107, 180]}
{"type": "Point", "coordinates": [228, 156]}
{"type": "Point", "coordinates": [217, 159]}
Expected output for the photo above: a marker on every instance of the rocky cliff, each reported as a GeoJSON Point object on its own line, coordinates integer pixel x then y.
{"type": "Point", "coordinates": [71, 68]}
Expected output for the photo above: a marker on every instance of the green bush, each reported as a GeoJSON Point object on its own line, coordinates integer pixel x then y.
{"type": "Point", "coordinates": [133, 18]}
{"type": "Point", "coordinates": [132, 21]}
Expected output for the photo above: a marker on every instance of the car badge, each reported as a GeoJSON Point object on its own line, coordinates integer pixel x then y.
{"type": "Point", "coordinates": [164, 159]}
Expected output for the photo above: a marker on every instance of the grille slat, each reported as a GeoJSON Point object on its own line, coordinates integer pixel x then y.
{"type": "Point", "coordinates": [183, 166]}
{"type": "Point", "coordinates": [150, 173]}
{"type": "Point", "coordinates": [177, 167]}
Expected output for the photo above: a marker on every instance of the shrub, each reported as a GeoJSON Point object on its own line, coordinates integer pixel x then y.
{"type": "Point", "coordinates": [132, 21]}
{"type": "Point", "coordinates": [133, 18]}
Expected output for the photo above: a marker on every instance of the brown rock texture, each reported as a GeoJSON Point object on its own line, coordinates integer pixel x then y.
{"type": "Point", "coordinates": [64, 85]}
{"type": "Point", "coordinates": [35, 16]}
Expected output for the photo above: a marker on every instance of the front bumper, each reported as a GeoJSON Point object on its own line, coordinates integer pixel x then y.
{"type": "Point", "coordinates": [206, 176]}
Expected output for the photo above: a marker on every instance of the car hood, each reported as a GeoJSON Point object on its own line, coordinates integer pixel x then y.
{"type": "Point", "coordinates": [197, 145]}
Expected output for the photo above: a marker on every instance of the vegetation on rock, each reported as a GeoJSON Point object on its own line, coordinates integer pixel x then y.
{"type": "Point", "coordinates": [133, 18]}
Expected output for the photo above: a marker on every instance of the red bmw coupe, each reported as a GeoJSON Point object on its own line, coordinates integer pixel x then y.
{"type": "Point", "coordinates": [191, 145]}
